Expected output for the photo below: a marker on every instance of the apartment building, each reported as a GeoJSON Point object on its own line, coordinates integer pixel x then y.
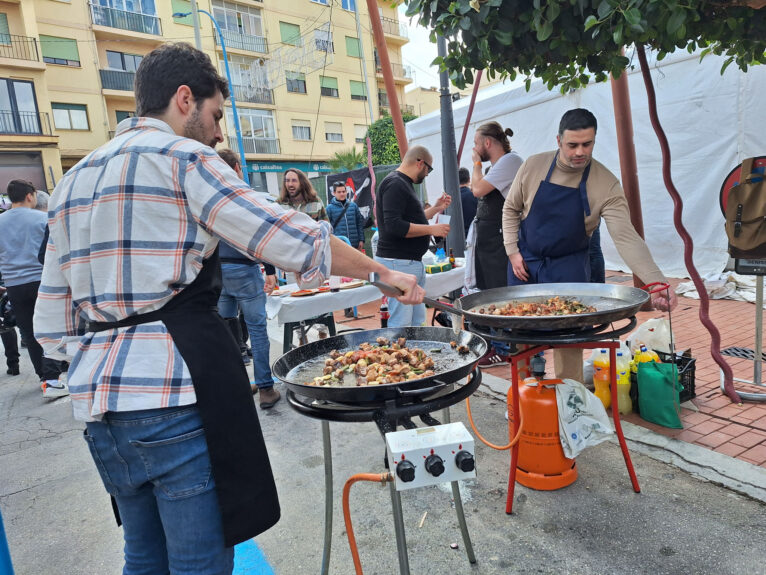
{"type": "Point", "coordinates": [297, 68]}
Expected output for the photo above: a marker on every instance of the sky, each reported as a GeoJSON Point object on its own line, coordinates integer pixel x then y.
{"type": "Point", "coordinates": [418, 53]}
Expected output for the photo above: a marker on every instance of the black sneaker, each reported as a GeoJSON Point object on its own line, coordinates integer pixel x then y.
{"type": "Point", "coordinates": [13, 370]}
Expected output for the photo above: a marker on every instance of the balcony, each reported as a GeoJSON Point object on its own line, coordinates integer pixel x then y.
{"type": "Point", "coordinates": [131, 21]}
{"type": "Point", "coordinates": [19, 47]}
{"type": "Point", "coordinates": [251, 95]}
{"type": "Point", "coordinates": [25, 123]}
{"type": "Point", "coordinates": [397, 30]}
{"type": "Point", "coordinates": [117, 80]}
{"type": "Point", "coordinates": [243, 42]}
{"type": "Point", "coordinates": [402, 74]}
{"type": "Point", "coordinates": [256, 145]}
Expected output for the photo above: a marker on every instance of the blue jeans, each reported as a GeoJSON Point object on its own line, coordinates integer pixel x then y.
{"type": "Point", "coordinates": [403, 315]}
{"type": "Point", "coordinates": [155, 464]}
{"type": "Point", "coordinates": [243, 288]}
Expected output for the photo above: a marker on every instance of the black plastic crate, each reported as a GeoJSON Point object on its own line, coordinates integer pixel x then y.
{"type": "Point", "coordinates": [686, 369]}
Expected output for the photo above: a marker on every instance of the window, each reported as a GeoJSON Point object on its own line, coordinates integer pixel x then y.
{"type": "Point", "coordinates": [121, 115]}
{"type": "Point", "coordinates": [290, 33]}
{"type": "Point", "coordinates": [333, 131]}
{"type": "Point", "coordinates": [122, 61]}
{"type": "Point", "coordinates": [61, 51]}
{"type": "Point", "coordinates": [5, 34]}
{"type": "Point", "coordinates": [182, 6]}
{"type": "Point", "coordinates": [258, 133]}
{"type": "Point", "coordinates": [329, 86]}
{"type": "Point", "coordinates": [349, 5]}
{"type": "Point", "coordinates": [325, 2]}
{"type": "Point", "coordinates": [70, 116]}
{"type": "Point", "coordinates": [360, 133]}
{"type": "Point", "coordinates": [18, 107]}
{"type": "Point", "coordinates": [301, 130]}
{"type": "Point", "coordinates": [134, 6]}
{"type": "Point", "coordinates": [323, 39]}
{"type": "Point", "coordinates": [238, 18]}
{"type": "Point", "coordinates": [352, 47]}
{"type": "Point", "coordinates": [358, 90]}
{"type": "Point", "coordinates": [296, 82]}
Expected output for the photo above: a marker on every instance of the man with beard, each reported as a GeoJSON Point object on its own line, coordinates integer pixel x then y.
{"type": "Point", "coordinates": [404, 229]}
{"type": "Point", "coordinates": [130, 284]}
{"type": "Point", "coordinates": [555, 204]}
{"type": "Point", "coordinates": [298, 193]}
{"type": "Point", "coordinates": [491, 145]}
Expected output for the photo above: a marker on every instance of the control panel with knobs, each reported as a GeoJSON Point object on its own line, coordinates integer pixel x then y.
{"type": "Point", "coordinates": [430, 455]}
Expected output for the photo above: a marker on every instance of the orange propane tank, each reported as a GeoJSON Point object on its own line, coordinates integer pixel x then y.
{"type": "Point", "coordinates": [542, 464]}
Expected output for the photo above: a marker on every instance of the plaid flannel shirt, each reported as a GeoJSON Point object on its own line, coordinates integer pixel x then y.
{"type": "Point", "coordinates": [130, 226]}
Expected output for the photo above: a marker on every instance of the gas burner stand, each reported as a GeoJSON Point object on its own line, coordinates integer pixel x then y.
{"type": "Point", "coordinates": [387, 415]}
{"type": "Point", "coordinates": [604, 336]}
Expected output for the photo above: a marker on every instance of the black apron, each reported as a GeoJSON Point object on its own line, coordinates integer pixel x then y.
{"type": "Point", "coordinates": [247, 494]}
{"type": "Point", "coordinates": [490, 258]}
{"type": "Point", "coordinates": [552, 238]}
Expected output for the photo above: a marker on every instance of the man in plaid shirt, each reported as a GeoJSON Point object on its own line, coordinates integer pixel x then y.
{"type": "Point", "coordinates": [128, 295]}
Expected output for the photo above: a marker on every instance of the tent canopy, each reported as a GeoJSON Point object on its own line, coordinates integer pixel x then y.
{"type": "Point", "coordinates": [712, 121]}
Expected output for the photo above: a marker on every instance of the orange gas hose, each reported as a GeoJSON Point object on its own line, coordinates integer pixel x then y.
{"type": "Point", "coordinates": [513, 442]}
{"type": "Point", "coordinates": [376, 477]}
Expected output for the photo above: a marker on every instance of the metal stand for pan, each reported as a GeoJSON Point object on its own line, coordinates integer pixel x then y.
{"type": "Point", "coordinates": [602, 336]}
{"type": "Point", "coordinates": [387, 415]}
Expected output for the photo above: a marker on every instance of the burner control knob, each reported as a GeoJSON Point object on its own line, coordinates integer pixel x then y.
{"type": "Point", "coordinates": [405, 470]}
{"type": "Point", "coordinates": [434, 465]}
{"type": "Point", "coordinates": [464, 461]}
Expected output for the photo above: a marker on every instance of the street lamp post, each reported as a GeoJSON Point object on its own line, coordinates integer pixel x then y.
{"type": "Point", "coordinates": [237, 127]}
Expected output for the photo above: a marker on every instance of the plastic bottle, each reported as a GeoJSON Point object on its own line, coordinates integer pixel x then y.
{"type": "Point", "coordinates": [646, 355]}
{"type": "Point", "coordinates": [624, 403]}
{"type": "Point", "coordinates": [601, 378]}
{"type": "Point", "coordinates": [384, 315]}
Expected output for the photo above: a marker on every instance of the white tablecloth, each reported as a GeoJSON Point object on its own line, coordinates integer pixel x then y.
{"type": "Point", "coordinates": [291, 309]}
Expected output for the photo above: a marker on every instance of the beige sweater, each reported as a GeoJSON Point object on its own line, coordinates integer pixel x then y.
{"type": "Point", "coordinates": [606, 200]}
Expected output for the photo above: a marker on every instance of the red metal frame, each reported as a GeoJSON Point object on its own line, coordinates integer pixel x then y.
{"type": "Point", "coordinates": [513, 404]}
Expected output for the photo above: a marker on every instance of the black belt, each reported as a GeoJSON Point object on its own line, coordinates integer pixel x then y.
{"type": "Point", "coordinates": [141, 318]}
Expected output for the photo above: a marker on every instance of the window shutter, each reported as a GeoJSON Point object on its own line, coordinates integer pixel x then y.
{"type": "Point", "coordinates": [352, 47]}
{"type": "Point", "coordinates": [290, 33]}
{"type": "Point", "coordinates": [327, 82]}
{"type": "Point", "coordinates": [358, 89]}
{"type": "Point", "coordinates": [182, 6]}
{"type": "Point", "coordinates": [62, 48]}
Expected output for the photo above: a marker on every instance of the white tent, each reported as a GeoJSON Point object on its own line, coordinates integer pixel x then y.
{"type": "Point", "coordinates": [712, 121]}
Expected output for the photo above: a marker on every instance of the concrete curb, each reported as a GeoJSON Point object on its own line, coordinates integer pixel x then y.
{"type": "Point", "coordinates": [734, 474]}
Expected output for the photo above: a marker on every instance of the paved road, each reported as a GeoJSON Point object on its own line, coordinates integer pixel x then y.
{"type": "Point", "coordinates": [59, 520]}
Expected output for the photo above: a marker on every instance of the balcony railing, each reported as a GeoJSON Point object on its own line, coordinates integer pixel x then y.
{"type": "Point", "coordinates": [18, 47]}
{"type": "Point", "coordinates": [133, 21]}
{"type": "Point", "coordinates": [117, 80]}
{"type": "Point", "coordinates": [256, 145]}
{"type": "Point", "coordinates": [398, 70]}
{"type": "Point", "coordinates": [247, 94]}
{"type": "Point", "coordinates": [25, 123]}
{"type": "Point", "coordinates": [243, 41]}
{"type": "Point", "coordinates": [408, 109]}
{"type": "Point", "coordinates": [394, 27]}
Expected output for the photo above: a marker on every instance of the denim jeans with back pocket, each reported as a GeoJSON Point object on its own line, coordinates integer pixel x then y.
{"type": "Point", "coordinates": [155, 464]}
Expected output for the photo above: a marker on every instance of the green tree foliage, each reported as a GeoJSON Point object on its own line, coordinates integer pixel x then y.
{"type": "Point", "coordinates": [347, 160]}
{"type": "Point", "coordinates": [568, 42]}
{"type": "Point", "coordinates": [385, 149]}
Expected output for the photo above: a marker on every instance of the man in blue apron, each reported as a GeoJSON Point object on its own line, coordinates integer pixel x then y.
{"type": "Point", "coordinates": [130, 285]}
{"type": "Point", "coordinates": [554, 205]}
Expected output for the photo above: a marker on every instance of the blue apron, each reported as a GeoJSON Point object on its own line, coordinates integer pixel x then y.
{"type": "Point", "coordinates": [552, 238]}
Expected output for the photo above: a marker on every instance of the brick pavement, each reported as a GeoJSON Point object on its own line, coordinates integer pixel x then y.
{"type": "Point", "coordinates": [714, 423]}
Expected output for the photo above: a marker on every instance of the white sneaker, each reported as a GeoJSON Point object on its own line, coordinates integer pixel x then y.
{"type": "Point", "coordinates": [53, 388]}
